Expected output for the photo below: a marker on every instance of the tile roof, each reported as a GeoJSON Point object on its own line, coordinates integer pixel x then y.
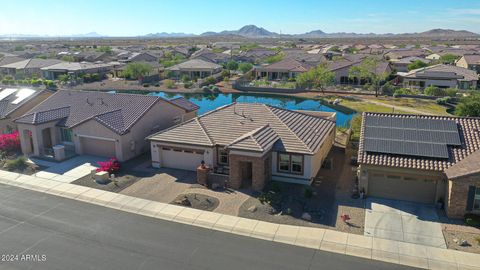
{"type": "Point", "coordinates": [32, 63]}
{"type": "Point", "coordinates": [442, 70]}
{"type": "Point", "coordinates": [195, 64]}
{"type": "Point", "coordinates": [185, 104]}
{"type": "Point", "coordinates": [76, 66]}
{"type": "Point", "coordinates": [118, 112]}
{"type": "Point", "coordinates": [287, 64]}
{"type": "Point", "coordinates": [7, 106]}
{"type": "Point", "coordinates": [469, 129]}
{"type": "Point", "coordinates": [472, 59]}
{"type": "Point", "coordinates": [467, 166]}
{"type": "Point", "coordinates": [261, 140]}
{"type": "Point", "coordinates": [251, 126]}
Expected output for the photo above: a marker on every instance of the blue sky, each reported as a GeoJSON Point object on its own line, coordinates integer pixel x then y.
{"type": "Point", "coordinates": [138, 17]}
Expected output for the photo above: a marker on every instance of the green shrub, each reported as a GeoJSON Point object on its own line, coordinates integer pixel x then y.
{"type": "Point", "coordinates": [472, 220]}
{"type": "Point", "coordinates": [443, 100]}
{"type": "Point", "coordinates": [451, 92]}
{"type": "Point", "coordinates": [185, 79]}
{"type": "Point", "coordinates": [188, 84]}
{"type": "Point", "coordinates": [210, 80]}
{"type": "Point", "coordinates": [169, 84]}
{"type": "Point", "coordinates": [19, 163]}
{"type": "Point", "coordinates": [434, 91]}
{"type": "Point", "coordinates": [405, 91]}
{"type": "Point", "coordinates": [206, 90]}
{"type": "Point", "coordinates": [146, 85]}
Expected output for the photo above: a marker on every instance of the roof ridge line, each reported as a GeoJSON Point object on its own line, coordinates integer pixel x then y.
{"type": "Point", "coordinates": [249, 134]}
{"type": "Point", "coordinates": [288, 128]}
{"type": "Point", "coordinates": [204, 130]}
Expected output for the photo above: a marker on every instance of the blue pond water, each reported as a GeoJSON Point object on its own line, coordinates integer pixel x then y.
{"type": "Point", "coordinates": [208, 102]}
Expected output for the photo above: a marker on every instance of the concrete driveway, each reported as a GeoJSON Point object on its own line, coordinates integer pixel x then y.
{"type": "Point", "coordinates": [69, 170]}
{"type": "Point", "coordinates": [403, 221]}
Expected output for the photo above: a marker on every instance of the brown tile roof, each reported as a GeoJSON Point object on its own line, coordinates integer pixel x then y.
{"type": "Point", "coordinates": [472, 59]}
{"type": "Point", "coordinates": [442, 70]}
{"type": "Point", "coordinates": [467, 166]}
{"type": "Point", "coordinates": [119, 112]}
{"type": "Point", "coordinates": [185, 103]}
{"type": "Point", "coordinates": [469, 129]}
{"type": "Point", "coordinates": [261, 140]}
{"type": "Point", "coordinates": [287, 64]}
{"type": "Point", "coordinates": [251, 126]}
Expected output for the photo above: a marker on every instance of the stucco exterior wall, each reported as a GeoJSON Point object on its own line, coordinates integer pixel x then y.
{"type": "Point", "coordinates": [457, 195]}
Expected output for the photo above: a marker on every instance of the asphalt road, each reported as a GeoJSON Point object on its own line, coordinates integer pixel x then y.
{"type": "Point", "coordinates": [41, 231]}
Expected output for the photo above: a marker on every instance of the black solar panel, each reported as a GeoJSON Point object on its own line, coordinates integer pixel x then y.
{"type": "Point", "coordinates": [410, 136]}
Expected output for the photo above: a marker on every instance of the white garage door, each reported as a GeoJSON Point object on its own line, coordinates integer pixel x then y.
{"type": "Point", "coordinates": [97, 147]}
{"type": "Point", "coordinates": [183, 159]}
{"type": "Point", "coordinates": [402, 188]}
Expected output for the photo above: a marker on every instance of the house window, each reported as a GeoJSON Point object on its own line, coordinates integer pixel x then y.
{"type": "Point", "coordinates": [66, 135]}
{"type": "Point", "coordinates": [222, 157]}
{"type": "Point", "coordinates": [289, 163]}
{"type": "Point", "coordinates": [476, 199]}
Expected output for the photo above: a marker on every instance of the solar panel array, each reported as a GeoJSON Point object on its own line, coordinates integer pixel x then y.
{"type": "Point", "coordinates": [410, 136]}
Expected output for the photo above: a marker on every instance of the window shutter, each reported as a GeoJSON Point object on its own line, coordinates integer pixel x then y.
{"type": "Point", "coordinates": [470, 197]}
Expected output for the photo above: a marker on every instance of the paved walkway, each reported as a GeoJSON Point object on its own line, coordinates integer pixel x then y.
{"type": "Point", "coordinates": [69, 170]}
{"type": "Point", "coordinates": [403, 221]}
{"type": "Point", "coordinates": [328, 240]}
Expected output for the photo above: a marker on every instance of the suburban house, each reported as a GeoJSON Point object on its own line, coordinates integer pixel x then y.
{"type": "Point", "coordinates": [195, 68]}
{"type": "Point", "coordinates": [283, 70]}
{"type": "Point", "coordinates": [76, 69]}
{"type": "Point", "coordinates": [249, 144]}
{"type": "Point", "coordinates": [95, 123]}
{"type": "Point", "coordinates": [443, 76]}
{"type": "Point", "coordinates": [470, 61]}
{"type": "Point", "coordinates": [137, 57]}
{"type": "Point", "coordinates": [254, 55]}
{"type": "Point", "coordinates": [211, 56]}
{"type": "Point", "coordinates": [401, 65]}
{"type": "Point", "coordinates": [427, 159]}
{"type": "Point", "coordinates": [342, 68]}
{"type": "Point", "coordinates": [403, 53]}
{"type": "Point", "coordinates": [27, 67]}
{"type": "Point", "coordinates": [15, 102]}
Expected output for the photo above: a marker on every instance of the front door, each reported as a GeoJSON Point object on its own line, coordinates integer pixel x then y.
{"type": "Point", "coordinates": [47, 138]}
{"type": "Point", "coordinates": [246, 174]}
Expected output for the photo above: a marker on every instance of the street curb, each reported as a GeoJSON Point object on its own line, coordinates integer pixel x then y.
{"type": "Point", "coordinates": [316, 238]}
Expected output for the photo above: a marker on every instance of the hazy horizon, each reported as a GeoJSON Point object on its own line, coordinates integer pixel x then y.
{"type": "Point", "coordinates": [125, 18]}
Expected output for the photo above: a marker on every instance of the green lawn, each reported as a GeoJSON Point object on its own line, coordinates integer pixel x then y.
{"type": "Point", "coordinates": [429, 106]}
{"type": "Point", "coordinates": [362, 106]}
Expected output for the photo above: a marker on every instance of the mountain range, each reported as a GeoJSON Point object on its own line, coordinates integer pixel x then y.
{"type": "Point", "coordinates": [253, 31]}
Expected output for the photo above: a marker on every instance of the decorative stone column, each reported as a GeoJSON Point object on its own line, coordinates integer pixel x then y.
{"type": "Point", "coordinates": [202, 174]}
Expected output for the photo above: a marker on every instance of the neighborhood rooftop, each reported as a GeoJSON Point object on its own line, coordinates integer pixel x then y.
{"type": "Point", "coordinates": [252, 126]}
{"type": "Point", "coordinates": [468, 129]}
{"type": "Point", "coordinates": [119, 112]}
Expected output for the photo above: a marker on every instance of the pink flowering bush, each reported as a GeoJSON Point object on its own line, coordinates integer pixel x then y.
{"type": "Point", "coordinates": [10, 142]}
{"type": "Point", "coordinates": [110, 166]}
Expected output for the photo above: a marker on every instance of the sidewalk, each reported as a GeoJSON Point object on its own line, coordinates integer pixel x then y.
{"type": "Point", "coordinates": [322, 239]}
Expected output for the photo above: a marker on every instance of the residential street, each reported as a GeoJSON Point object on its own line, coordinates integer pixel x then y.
{"type": "Point", "coordinates": [67, 234]}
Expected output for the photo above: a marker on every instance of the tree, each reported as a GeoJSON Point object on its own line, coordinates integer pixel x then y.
{"type": "Point", "coordinates": [68, 58]}
{"type": "Point", "coordinates": [245, 67]}
{"type": "Point", "coordinates": [319, 77]}
{"type": "Point", "coordinates": [105, 49]}
{"type": "Point", "coordinates": [448, 58]}
{"type": "Point", "coordinates": [416, 64]}
{"type": "Point", "coordinates": [232, 65]}
{"type": "Point", "coordinates": [469, 106]}
{"type": "Point", "coordinates": [367, 71]}
{"type": "Point", "coordinates": [274, 58]}
{"type": "Point", "coordinates": [137, 70]}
